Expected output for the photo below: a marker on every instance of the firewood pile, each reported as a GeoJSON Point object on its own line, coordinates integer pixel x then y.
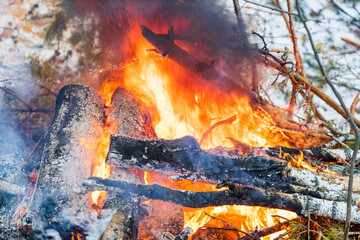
{"type": "Point", "coordinates": [59, 205]}
{"type": "Point", "coordinates": [104, 173]}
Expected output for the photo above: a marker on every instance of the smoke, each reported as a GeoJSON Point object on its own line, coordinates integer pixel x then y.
{"type": "Point", "coordinates": [214, 35]}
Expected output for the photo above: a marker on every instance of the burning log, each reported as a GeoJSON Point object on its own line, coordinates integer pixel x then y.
{"type": "Point", "coordinates": [235, 196]}
{"type": "Point", "coordinates": [184, 157]}
{"type": "Point", "coordinates": [55, 203]}
{"type": "Point", "coordinates": [131, 122]}
{"type": "Point", "coordinates": [327, 192]}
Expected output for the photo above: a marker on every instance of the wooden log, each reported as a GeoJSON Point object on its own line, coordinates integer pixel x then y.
{"type": "Point", "coordinates": [238, 196]}
{"type": "Point", "coordinates": [184, 156]}
{"type": "Point", "coordinates": [132, 122]}
{"type": "Point", "coordinates": [56, 203]}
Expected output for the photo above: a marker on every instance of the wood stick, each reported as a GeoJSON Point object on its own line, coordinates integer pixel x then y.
{"type": "Point", "coordinates": [185, 157]}
{"type": "Point", "coordinates": [270, 230]}
{"type": "Point", "coordinates": [238, 196]}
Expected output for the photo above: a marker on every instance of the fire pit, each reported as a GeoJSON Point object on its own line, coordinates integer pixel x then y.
{"type": "Point", "coordinates": [175, 144]}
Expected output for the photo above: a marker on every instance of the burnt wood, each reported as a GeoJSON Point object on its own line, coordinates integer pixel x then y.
{"type": "Point", "coordinates": [239, 196]}
{"type": "Point", "coordinates": [56, 202]}
{"type": "Point", "coordinates": [267, 174]}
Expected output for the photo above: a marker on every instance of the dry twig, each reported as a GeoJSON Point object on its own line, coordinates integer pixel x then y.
{"type": "Point", "coordinates": [349, 118]}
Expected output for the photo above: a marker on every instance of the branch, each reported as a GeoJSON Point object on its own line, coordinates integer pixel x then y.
{"type": "Point", "coordinates": [241, 196]}
{"type": "Point", "coordinates": [271, 8]}
{"type": "Point", "coordinates": [349, 117]}
{"type": "Point", "coordinates": [270, 230]}
{"type": "Point", "coordinates": [357, 45]}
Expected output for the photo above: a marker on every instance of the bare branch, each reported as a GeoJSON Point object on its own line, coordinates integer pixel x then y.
{"type": "Point", "coordinates": [271, 8]}
{"type": "Point", "coordinates": [350, 119]}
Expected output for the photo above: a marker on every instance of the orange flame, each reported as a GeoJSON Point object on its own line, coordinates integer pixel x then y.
{"type": "Point", "coordinates": [98, 148]}
{"type": "Point", "coordinates": [245, 218]}
{"type": "Point", "coordinates": [180, 103]}
{"type": "Point", "coordinates": [78, 236]}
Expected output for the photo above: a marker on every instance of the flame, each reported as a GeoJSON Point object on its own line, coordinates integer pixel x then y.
{"type": "Point", "coordinates": [98, 148]}
{"type": "Point", "coordinates": [77, 237]}
{"type": "Point", "coordinates": [245, 218]}
{"type": "Point", "coordinates": [182, 104]}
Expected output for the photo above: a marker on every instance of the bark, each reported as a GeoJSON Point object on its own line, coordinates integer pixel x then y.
{"type": "Point", "coordinates": [132, 122]}
{"type": "Point", "coordinates": [183, 158]}
{"type": "Point", "coordinates": [55, 203]}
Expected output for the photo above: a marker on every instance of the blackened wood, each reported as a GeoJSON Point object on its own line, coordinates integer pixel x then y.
{"type": "Point", "coordinates": [238, 196]}
{"type": "Point", "coordinates": [56, 203]}
{"type": "Point", "coordinates": [184, 155]}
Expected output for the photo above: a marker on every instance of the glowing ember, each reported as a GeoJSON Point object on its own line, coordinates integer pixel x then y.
{"type": "Point", "coordinates": [78, 236]}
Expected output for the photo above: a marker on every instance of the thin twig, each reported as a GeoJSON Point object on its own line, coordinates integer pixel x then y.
{"type": "Point", "coordinates": [228, 224]}
{"type": "Point", "coordinates": [350, 119]}
{"type": "Point", "coordinates": [357, 45]}
{"type": "Point", "coordinates": [29, 81]}
{"type": "Point", "coordinates": [16, 97]}
{"type": "Point", "coordinates": [309, 219]}
{"type": "Point", "coordinates": [229, 120]}
{"type": "Point", "coordinates": [271, 8]}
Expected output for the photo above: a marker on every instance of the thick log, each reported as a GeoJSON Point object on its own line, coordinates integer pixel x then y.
{"type": "Point", "coordinates": [239, 196]}
{"type": "Point", "coordinates": [184, 156]}
{"type": "Point", "coordinates": [56, 203]}
{"type": "Point", "coordinates": [131, 121]}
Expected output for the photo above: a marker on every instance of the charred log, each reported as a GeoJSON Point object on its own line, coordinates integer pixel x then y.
{"type": "Point", "coordinates": [238, 196]}
{"type": "Point", "coordinates": [55, 203]}
{"type": "Point", "coordinates": [184, 157]}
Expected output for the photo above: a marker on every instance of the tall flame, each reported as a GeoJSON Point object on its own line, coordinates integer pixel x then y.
{"type": "Point", "coordinates": [180, 104]}
{"type": "Point", "coordinates": [183, 104]}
